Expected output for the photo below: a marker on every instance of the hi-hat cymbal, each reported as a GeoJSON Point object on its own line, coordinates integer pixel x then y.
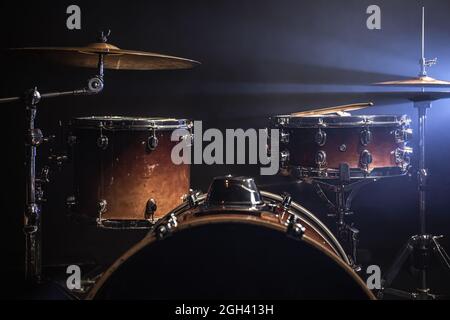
{"type": "Point", "coordinates": [114, 57]}
{"type": "Point", "coordinates": [416, 82]}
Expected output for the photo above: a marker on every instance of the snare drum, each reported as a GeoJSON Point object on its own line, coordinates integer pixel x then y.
{"type": "Point", "coordinates": [124, 176]}
{"type": "Point", "coordinates": [234, 243]}
{"type": "Point", "coordinates": [371, 146]}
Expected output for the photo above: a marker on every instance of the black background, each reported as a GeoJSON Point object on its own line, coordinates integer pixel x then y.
{"type": "Point", "coordinates": [259, 58]}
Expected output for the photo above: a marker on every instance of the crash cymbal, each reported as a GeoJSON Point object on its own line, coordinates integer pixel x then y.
{"type": "Point", "coordinates": [416, 82]}
{"type": "Point", "coordinates": [114, 57]}
{"type": "Point", "coordinates": [336, 109]}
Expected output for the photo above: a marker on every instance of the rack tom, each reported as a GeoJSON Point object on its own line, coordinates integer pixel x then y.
{"type": "Point", "coordinates": [370, 146]}
{"type": "Point", "coordinates": [124, 175]}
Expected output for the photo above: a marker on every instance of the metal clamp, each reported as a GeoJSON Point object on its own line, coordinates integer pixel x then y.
{"type": "Point", "coordinates": [166, 229]}
{"type": "Point", "coordinates": [192, 198]}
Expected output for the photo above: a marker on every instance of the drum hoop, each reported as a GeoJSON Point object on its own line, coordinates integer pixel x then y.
{"type": "Point", "coordinates": [328, 121]}
{"type": "Point", "coordinates": [332, 174]}
{"type": "Point", "coordinates": [117, 123]}
{"type": "Point", "coordinates": [329, 235]}
{"type": "Point", "coordinates": [204, 220]}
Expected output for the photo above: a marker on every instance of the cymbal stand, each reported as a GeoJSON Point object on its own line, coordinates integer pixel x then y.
{"type": "Point", "coordinates": [34, 194]}
{"type": "Point", "coordinates": [423, 245]}
{"type": "Point", "coordinates": [345, 191]}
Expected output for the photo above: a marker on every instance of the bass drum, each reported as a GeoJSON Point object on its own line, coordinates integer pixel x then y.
{"type": "Point", "coordinates": [264, 252]}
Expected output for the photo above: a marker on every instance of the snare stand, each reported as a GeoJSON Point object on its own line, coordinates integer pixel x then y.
{"type": "Point", "coordinates": [345, 191]}
{"type": "Point", "coordinates": [34, 194]}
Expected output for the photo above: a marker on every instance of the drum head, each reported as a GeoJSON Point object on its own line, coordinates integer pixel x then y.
{"type": "Point", "coordinates": [231, 261]}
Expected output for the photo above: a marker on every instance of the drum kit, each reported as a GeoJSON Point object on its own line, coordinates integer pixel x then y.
{"type": "Point", "coordinates": [245, 242]}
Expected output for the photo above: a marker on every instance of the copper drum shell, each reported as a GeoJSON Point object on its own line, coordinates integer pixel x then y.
{"type": "Point", "coordinates": [343, 142]}
{"type": "Point", "coordinates": [126, 173]}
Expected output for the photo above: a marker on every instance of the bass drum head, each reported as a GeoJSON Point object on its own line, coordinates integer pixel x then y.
{"type": "Point", "coordinates": [229, 261]}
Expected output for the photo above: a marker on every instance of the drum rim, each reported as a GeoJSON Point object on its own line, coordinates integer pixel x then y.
{"type": "Point", "coordinates": [355, 173]}
{"type": "Point", "coordinates": [129, 123]}
{"type": "Point", "coordinates": [331, 121]}
{"type": "Point", "coordinates": [224, 218]}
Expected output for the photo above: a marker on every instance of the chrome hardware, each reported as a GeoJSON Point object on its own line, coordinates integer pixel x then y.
{"type": "Point", "coordinates": [192, 198]}
{"type": "Point", "coordinates": [295, 229]}
{"type": "Point", "coordinates": [283, 208]}
{"type": "Point", "coordinates": [102, 206]}
{"type": "Point", "coordinates": [286, 202]}
{"type": "Point", "coordinates": [283, 121]}
{"type": "Point", "coordinates": [321, 158]}
{"type": "Point", "coordinates": [343, 148]}
{"type": "Point", "coordinates": [366, 137]}
{"type": "Point", "coordinates": [102, 142]}
{"type": "Point", "coordinates": [284, 137]}
{"type": "Point", "coordinates": [152, 141]}
{"type": "Point", "coordinates": [71, 140]}
{"type": "Point", "coordinates": [320, 138]}
{"type": "Point", "coordinates": [35, 137]}
{"type": "Point", "coordinates": [71, 202]}
{"type": "Point", "coordinates": [284, 159]}
{"type": "Point", "coordinates": [57, 159]}
{"type": "Point", "coordinates": [402, 156]}
{"type": "Point", "coordinates": [403, 135]}
{"type": "Point", "coordinates": [166, 229]}
{"type": "Point", "coordinates": [321, 123]}
{"type": "Point", "coordinates": [366, 159]}
{"type": "Point", "coordinates": [150, 209]}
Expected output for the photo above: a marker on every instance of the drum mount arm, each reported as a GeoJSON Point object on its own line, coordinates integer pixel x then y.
{"type": "Point", "coordinates": [34, 194]}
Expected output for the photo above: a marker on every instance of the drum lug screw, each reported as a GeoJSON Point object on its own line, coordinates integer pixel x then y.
{"type": "Point", "coordinates": [284, 137]}
{"type": "Point", "coordinates": [284, 159]}
{"type": "Point", "coordinates": [366, 137]}
{"type": "Point", "coordinates": [321, 138]}
{"type": "Point", "coordinates": [366, 159]}
{"type": "Point", "coordinates": [321, 158]}
{"type": "Point", "coordinates": [102, 206]}
{"type": "Point", "coordinates": [102, 142]}
{"type": "Point", "coordinates": [403, 135]}
{"type": "Point", "coordinates": [150, 209]}
{"type": "Point", "coordinates": [71, 140]}
{"type": "Point", "coordinates": [152, 142]}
